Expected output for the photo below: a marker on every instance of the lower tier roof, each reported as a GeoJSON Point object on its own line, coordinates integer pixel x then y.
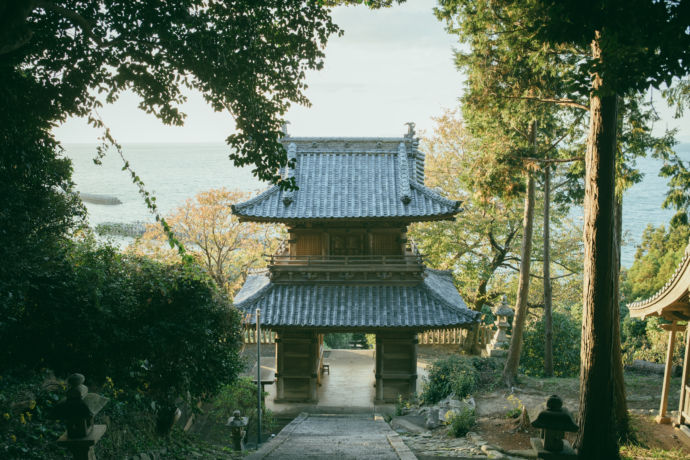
{"type": "Point", "coordinates": [433, 303]}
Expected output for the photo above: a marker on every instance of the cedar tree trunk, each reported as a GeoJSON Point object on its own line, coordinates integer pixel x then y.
{"type": "Point", "coordinates": [596, 436]}
{"type": "Point", "coordinates": [548, 298]}
{"type": "Point", "coordinates": [511, 366]}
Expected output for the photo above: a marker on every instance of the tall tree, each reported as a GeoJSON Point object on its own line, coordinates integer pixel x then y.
{"type": "Point", "coordinates": [64, 58]}
{"type": "Point", "coordinates": [633, 44]}
{"type": "Point", "coordinates": [502, 68]}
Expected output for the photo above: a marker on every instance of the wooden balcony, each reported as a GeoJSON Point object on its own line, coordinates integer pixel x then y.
{"type": "Point", "coordinates": [356, 269]}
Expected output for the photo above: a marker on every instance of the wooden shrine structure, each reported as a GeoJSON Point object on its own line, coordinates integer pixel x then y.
{"type": "Point", "coordinates": [348, 265]}
{"type": "Point", "coordinates": [672, 303]}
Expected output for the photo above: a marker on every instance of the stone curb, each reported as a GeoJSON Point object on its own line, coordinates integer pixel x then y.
{"type": "Point", "coordinates": [402, 451]}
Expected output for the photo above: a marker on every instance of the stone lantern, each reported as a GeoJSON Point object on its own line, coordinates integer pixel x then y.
{"type": "Point", "coordinates": [554, 422]}
{"type": "Point", "coordinates": [500, 343]}
{"type": "Point", "coordinates": [77, 411]}
{"type": "Point", "coordinates": [238, 429]}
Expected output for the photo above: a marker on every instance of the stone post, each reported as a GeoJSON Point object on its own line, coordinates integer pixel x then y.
{"type": "Point", "coordinates": [77, 411]}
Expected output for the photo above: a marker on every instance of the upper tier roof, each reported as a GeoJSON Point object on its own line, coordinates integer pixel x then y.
{"type": "Point", "coordinates": [351, 178]}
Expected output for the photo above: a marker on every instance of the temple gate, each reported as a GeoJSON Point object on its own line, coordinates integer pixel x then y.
{"type": "Point", "coordinates": [348, 265]}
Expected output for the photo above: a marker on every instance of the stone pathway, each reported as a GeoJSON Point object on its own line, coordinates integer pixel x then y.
{"type": "Point", "coordinates": [341, 437]}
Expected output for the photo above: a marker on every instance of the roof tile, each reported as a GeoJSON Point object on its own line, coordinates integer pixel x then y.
{"type": "Point", "coordinates": [432, 303]}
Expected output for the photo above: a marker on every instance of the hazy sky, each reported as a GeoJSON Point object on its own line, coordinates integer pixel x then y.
{"type": "Point", "coordinates": [391, 66]}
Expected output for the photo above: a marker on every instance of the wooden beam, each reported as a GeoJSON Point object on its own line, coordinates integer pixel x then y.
{"type": "Point", "coordinates": [662, 417]}
{"type": "Point", "coordinates": [673, 327]}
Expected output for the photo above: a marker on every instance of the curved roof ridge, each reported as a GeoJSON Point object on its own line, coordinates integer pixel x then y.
{"type": "Point", "coordinates": [253, 288]}
{"type": "Point", "coordinates": [640, 304]}
{"type": "Point", "coordinates": [437, 196]}
{"type": "Point", "coordinates": [443, 299]}
{"type": "Point", "coordinates": [255, 199]}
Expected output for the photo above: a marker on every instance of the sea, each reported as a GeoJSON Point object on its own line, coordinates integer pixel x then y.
{"type": "Point", "coordinates": [175, 173]}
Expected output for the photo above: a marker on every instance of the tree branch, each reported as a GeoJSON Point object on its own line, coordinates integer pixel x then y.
{"type": "Point", "coordinates": [76, 18]}
{"type": "Point", "coordinates": [550, 100]}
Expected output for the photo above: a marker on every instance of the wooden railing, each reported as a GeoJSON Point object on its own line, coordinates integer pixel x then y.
{"type": "Point", "coordinates": [340, 261]}
{"type": "Point", "coordinates": [266, 336]}
{"type": "Point", "coordinates": [455, 336]}
{"type": "Point", "coordinates": [442, 337]}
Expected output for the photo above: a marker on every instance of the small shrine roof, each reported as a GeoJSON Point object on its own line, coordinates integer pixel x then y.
{"type": "Point", "coordinates": [671, 301]}
{"type": "Point", "coordinates": [351, 178]}
{"type": "Point", "coordinates": [433, 303]}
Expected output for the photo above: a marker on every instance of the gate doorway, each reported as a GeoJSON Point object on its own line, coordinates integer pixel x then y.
{"type": "Point", "coordinates": [345, 380]}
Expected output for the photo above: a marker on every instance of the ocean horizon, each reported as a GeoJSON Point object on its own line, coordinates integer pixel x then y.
{"type": "Point", "coordinates": [177, 172]}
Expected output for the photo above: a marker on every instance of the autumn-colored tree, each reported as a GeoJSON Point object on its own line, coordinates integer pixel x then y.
{"type": "Point", "coordinates": [205, 225]}
{"type": "Point", "coordinates": [483, 239]}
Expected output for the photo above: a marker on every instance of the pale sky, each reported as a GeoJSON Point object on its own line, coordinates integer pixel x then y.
{"type": "Point", "coordinates": [391, 66]}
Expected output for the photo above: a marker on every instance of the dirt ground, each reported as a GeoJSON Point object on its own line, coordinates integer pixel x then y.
{"type": "Point", "coordinates": [643, 394]}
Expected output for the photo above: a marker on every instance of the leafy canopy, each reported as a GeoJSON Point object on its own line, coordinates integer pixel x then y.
{"type": "Point", "coordinates": [248, 57]}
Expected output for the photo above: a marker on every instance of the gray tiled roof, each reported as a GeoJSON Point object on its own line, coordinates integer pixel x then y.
{"type": "Point", "coordinates": [433, 303]}
{"type": "Point", "coordinates": [340, 178]}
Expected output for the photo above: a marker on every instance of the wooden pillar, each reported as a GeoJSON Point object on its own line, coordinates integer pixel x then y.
{"type": "Point", "coordinates": [662, 418]}
{"type": "Point", "coordinates": [378, 368]}
{"type": "Point", "coordinates": [280, 366]}
{"type": "Point", "coordinates": [684, 406]}
{"type": "Point", "coordinates": [315, 359]}
{"type": "Point", "coordinates": [297, 367]}
{"type": "Point", "coordinates": [396, 365]}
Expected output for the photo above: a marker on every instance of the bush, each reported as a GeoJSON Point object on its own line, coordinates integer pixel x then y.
{"type": "Point", "coordinates": [566, 347]}
{"type": "Point", "coordinates": [163, 331]}
{"type": "Point", "coordinates": [454, 374]}
{"type": "Point", "coordinates": [337, 341]}
{"type": "Point", "coordinates": [646, 340]}
{"type": "Point", "coordinates": [462, 423]}
{"type": "Point", "coordinates": [241, 396]}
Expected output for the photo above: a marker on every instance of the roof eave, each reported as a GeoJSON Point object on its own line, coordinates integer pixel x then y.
{"type": "Point", "coordinates": [295, 220]}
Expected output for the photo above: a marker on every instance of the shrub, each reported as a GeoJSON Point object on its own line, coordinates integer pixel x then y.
{"type": "Point", "coordinates": [241, 396]}
{"type": "Point", "coordinates": [454, 374]}
{"type": "Point", "coordinates": [515, 407]}
{"type": "Point", "coordinates": [337, 341]}
{"type": "Point", "coordinates": [646, 340]}
{"type": "Point", "coordinates": [402, 404]}
{"type": "Point", "coordinates": [566, 347]}
{"type": "Point", "coordinates": [164, 330]}
{"type": "Point", "coordinates": [462, 423]}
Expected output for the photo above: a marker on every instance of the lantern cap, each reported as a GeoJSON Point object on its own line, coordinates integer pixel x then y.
{"type": "Point", "coordinates": [504, 309]}
{"type": "Point", "coordinates": [79, 404]}
{"type": "Point", "coordinates": [555, 417]}
{"type": "Point", "coordinates": [237, 420]}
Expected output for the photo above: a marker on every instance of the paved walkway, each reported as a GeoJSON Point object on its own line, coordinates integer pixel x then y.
{"type": "Point", "coordinates": [348, 389]}
{"type": "Point", "coordinates": [341, 437]}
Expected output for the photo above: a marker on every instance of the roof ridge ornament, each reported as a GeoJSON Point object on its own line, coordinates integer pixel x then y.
{"type": "Point", "coordinates": [289, 195]}
{"type": "Point", "coordinates": [404, 174]}
{"type": "Point", "coordinates": [284, 130]}
{"type": "Point", "coordinates": [410, 130]}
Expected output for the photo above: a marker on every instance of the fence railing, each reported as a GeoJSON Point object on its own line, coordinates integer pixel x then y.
{"type": "Point", "coordinates": [266, 336]}
{"type": "Point", "coordinates": [339, 261]}
{"type": "Point", "coordinates": [454, 336]}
